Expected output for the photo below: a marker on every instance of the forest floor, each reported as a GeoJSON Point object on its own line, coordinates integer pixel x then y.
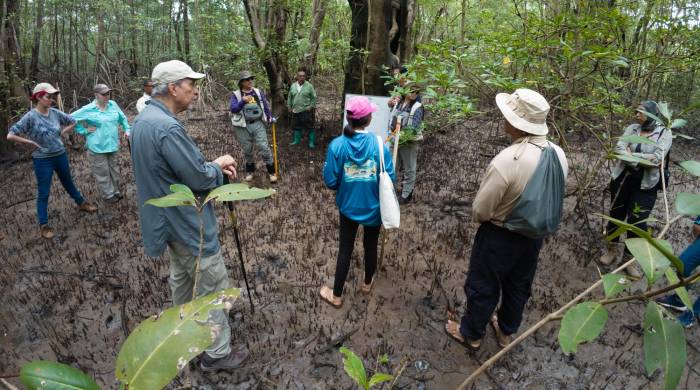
{"type": "Point", "coordinates": [75, 298]}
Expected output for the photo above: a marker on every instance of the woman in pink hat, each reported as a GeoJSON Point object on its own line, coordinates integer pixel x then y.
{"type": "Point", "coordinates": [42, 128]}
{"type": "Point", "coordinates": [352, 169]}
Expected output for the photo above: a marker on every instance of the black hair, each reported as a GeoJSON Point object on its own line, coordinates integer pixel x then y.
{"type": "Point", "coordinates": [147, 81]}
{"type": "Point", "coordinates": [349, 130]}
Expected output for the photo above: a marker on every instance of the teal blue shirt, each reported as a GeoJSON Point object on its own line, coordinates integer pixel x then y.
{"type": "Point", "coordinates": [105, 138]}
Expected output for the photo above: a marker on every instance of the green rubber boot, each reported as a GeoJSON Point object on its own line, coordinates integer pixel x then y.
{"type": "Point", "coordinates": [297, 137]}
{"type": "Point", "coordinates": [312, 139]}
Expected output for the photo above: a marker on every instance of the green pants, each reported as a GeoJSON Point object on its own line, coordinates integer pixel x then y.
{"type": "Point", "coordinates": [212, 278]}
{"type": "Point", "coordinates": [254, 133]}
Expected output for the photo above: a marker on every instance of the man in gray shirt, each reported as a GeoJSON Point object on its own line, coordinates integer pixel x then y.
{"type": "Point", "coordinates": [164, 154]}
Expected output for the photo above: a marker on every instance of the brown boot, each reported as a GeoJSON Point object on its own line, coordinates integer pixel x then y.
{"type": "Point", "coordinates": [87, 207]}
{"type": "Point", "coordinates": [46, 231]}
{"type": "Point", "coordinates": [612, 253]}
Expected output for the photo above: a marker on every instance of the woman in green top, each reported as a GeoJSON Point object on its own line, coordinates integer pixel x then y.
{"type": "Point", "coordinates": [99, 122]}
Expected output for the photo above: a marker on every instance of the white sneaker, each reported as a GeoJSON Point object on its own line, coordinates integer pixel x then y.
{"type": "Point", "coordinates": [248, 177]}
{"type": "Point", "coordinates": [273, 178]}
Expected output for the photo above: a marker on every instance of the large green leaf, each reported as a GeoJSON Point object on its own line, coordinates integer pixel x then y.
{"type": "Point", "coordinates": [692, 166]}
{"type": "Point", "coordinates": [170, 200]}
{"type": "Point", "coordinates": [688, 204]}
{"type": "Point", "coordinates": [581, 323]}
{"type": "Point", "coordinates": [666, 250]}
{"type": "Point", "coordinates": [379, 378]}
{"type": "Point", "coordinates": [653, 262]}
{"type": "Point", "coordinates": [652, 116]}
{"type": "Point", "coordinates": [634, 159]}
{"type": "Point", "coordinates": [637, 139]}
{"type": "Point", "coordinates": [183, 189]}
{"type": "Point", "coordinates": [54, 376]}
{"type": "Point", "coordinates": [678, 123]}
{"type": "Point", "coordinates": [354, 367]}
{"type": "Point", "coordinates": [162, 345]}
{"type": "Point", "coordinates": [664, 346]}
{"type": "Point", "coordinates": [682, 292]}
{"type": "Point", "coordinates": [238, 191]}
{"type": "Point", "coordinates": [664, 110]}
{"type": "Point", "coordinates": [613, 284]}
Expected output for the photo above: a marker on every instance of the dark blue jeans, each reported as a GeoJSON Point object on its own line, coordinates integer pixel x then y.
{"type": "Point", "coordinates": [502, 265]}
{"type": "Point", "coordinates": [691, 260]}
{"type": "Point", "coordinates": [43, 169]}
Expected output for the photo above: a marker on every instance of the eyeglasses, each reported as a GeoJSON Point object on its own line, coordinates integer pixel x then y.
{"type": "Point", "coordinates": [106, 93]}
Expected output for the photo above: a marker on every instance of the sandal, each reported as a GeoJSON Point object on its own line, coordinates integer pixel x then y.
{"type": "Point", "coordinates": [367, 288]}
{"type": "Point", "coordinates": [472, 345]}
{"type": "Point", "coordinates": [330, 298]}
{"type": "Point", "coordinates": [502, 338]}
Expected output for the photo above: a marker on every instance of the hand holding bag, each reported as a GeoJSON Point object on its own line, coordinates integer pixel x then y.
{"type": "Point", "coordinates": [388, 203]}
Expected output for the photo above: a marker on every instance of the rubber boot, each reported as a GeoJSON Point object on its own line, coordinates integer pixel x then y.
{"type": "Point", "coordinates": [297, 137]}
{"type": "Point", "coordinates": [249, 170]}
{"type": "Point", "coordinates": [271, 173]}
{"type": "Point", "coordinates": [312, 139]}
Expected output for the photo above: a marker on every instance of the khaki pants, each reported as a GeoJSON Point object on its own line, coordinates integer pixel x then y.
{"type": "Point", "coordinates": [212, 278]}
{"type": "Point", "coordinates": [254, 135]}
{"type": "Point", "coordinates": [105, 169]}
{"type": "Point", "coordinates": [408, 159]}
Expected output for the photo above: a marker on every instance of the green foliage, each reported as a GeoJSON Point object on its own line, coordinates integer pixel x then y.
{"type": "Point", "coordinates": [54, 376]}
{"type": "Point", "coordinates": [688, 204]}
{"type": "Point", "coordinates": [356, 370]}
{"type": "Point", "coordinates": [652, 261]}
{"type": "Point", "coordinates": [162, 345]}
{"type": "Point", "coordinates": [183, 196]}
{"type": "Point", "coordinates": [692, 166]}
{"type": "Point", "coordinates": [581, 323]}
{"type": "Point", "coordinates": [613, 284]}
{"type": "Point", "coordinates": [664, 346]}
{"type": "Point", "coordinates": [634, 159]}
{"type": "Point", "coordinates": [682, 292]}
{"type": "Point", "coordinates": [174, 199]}
{"type": "Point", "coordinates": [636, 139]}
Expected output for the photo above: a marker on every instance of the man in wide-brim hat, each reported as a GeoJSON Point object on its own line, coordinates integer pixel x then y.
{"type": "Point", "coordinates": [503, 261]}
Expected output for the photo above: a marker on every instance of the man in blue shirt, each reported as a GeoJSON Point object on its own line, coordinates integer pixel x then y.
{"type": "Point", "coordinates": [163, 154]}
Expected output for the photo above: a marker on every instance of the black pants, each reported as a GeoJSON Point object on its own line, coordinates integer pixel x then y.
{"type": "Point", "coordinates": [303, 121]}
{"type": "Point", "coordinates": [629, 201]}
{"type": "Point", "coordinates": [502, 264]}
{"type": "Point", "coordinates": [348, 231]}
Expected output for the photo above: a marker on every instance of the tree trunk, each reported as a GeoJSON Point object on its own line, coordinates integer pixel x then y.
{"type": "Point", "coordinates": [318, 10]}
{"type": "Point", "coordinates": [12, 96]}
{"type": "Point", "coordinates": [186, 29]}
{"type": "Point", "coordinates": [369, 53]}
{"type": "Point", "coordinates": [34, 67]}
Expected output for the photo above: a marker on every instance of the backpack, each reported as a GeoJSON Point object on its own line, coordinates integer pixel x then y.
{"type": "Point", "coordinates": [538, 211]}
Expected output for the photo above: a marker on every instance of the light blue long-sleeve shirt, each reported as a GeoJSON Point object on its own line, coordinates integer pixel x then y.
{"type": "Point", "coordinates": [352, 169]}
{"type": "Point", "coordinates": [105, 138]}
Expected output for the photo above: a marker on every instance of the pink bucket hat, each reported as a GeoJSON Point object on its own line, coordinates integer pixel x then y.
{"type": "Point", "coordinates": [359, 107]}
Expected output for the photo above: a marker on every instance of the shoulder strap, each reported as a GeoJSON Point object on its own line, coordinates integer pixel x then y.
{"type": "Point", "coordinates": [415, 108]}
{"type": "Point", "coordinates": [381, 154]}
{"type": "Point", "coordinates": [238, 94]}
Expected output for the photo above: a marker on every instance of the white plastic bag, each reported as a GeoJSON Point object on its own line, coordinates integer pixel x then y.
{"type": "Point", "coordinates": [388, 203]}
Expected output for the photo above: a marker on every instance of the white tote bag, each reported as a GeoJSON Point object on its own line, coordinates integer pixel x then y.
{"type": "Point", "coordinates": [388, 203]}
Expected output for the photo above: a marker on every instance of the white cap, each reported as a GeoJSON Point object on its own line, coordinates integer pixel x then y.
{"type": "Point", "coordinates": [171, 71]}
{"type": "Point", "coordinates": [525, 109]}
{"type": "Point", "coordinates": [44, 87]}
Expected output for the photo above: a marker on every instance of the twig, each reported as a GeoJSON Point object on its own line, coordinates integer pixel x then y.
{"type": "Point", "coordinates": [8, 385]}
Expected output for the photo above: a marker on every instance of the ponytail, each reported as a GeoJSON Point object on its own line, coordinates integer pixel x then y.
{"type": "Point", "coordinates": [348, 131]}
{"type": "Point", "coordinates": [356, 123]}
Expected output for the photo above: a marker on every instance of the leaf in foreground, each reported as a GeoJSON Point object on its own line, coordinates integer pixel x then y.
{"type": "Point", "coordinates": [637, 139]}
{"type": "Point", "coordinates": [171, 200]}
{"type": "Point", "coordinates": [664, 346]}
{"type": "Point", "coordinates": [53, 376]}
{"type": "Point", "coordinates": [688, 204]}
{"type": "Point", "coordinates": [580, 324]}
{"type": "Point", "coordinates": [653, 262]}
{"type": "Point", "coordinates": [613, 284]}
{"type": "Point", "coordinates": [238, 191]}
{"type": "Point", "coordinates": [635, 159]}
{"type": "Point", "coordinates": [379, 378]}
{"type": "Point", "coordinates": [692, 166]}
{"type": "Point", "coordinates": [162, 345]}
{"type": "Point", "coordinates": [354, 367]}
{"type": "Point", "coordinates": [681, 291]}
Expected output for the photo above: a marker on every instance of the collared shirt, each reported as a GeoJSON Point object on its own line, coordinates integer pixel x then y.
{"type": "Point", "coordinates": [164, 154]}
{"type": "Point", "coordinates": [141, 103]}
{"type": "Point", "coordinates": [105, 138]}
{"type": "Point", "coordinates": [506, 178]}
{"type": "Point", "coordinates": [654, 153]}
{"type": "Point", "coordinates": [236, 105]}
{"type": "Point", "coordinates": [45, 130]}
{"type": "Point", "coordinates": [301, 97]}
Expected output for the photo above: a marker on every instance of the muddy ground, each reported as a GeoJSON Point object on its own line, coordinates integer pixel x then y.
{"type": "Point", "coordinates": [75, 298]}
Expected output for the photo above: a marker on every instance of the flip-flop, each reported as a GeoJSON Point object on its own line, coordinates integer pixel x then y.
{"type": "Point", "coordinates": [325, 298]}
{"type": "Point", "coordinates": [502, 339]}
{"type": "Point", "coordinates": [470, 345]}
{"type": "Point", "coordinates": [367, 288]}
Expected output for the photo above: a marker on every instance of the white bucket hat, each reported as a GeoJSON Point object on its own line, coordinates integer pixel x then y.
{"type": "Point", "coordinates": [525, 109]}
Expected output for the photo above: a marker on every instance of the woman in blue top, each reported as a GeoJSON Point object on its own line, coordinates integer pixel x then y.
{"type": "Point", "coordinates": [352, 169]}
{"type": "Point", "coordinates": [99, 122]}
{"type": "Point", "coordinates": [41, 128]}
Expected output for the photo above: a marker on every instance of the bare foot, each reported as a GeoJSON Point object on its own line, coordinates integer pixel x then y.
{"type": "Point", "coordinates": [452, 329]}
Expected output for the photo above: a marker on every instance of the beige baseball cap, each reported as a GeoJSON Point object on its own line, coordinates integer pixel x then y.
{"type": "Point", "coordinates": [525, 109]}
{"type": "Point", "coordinates": [171, 71]}
{"type": "Point", "coordinates": [48, 88]}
